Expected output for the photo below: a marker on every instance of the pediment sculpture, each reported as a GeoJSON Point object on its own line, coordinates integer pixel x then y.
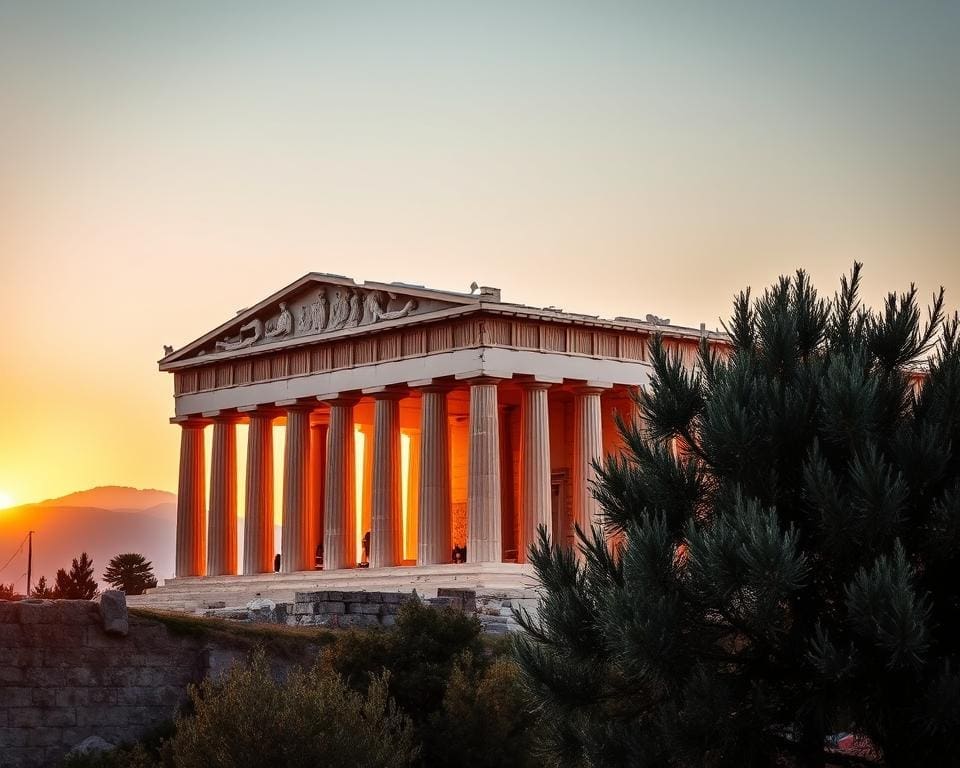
{"type": "Point", "coordinates": [346, 307]}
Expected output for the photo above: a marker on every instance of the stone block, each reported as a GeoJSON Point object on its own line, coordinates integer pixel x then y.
{"type": "Point", "coordinates": [359, 620]}
{"type": "Point", "coordinates": [303, 609]}
{"type": "Point", "coordinates": [37, 611]}
{"type": "Point", "coordinates": [310, 597]}
{"type": "Point", "coordinates": [390, 609]}
{"type": "Point", "coordinates": [75, 611]}
{"type": "Point", "coordinates": [355, 597]}
{"type": "Point", "coordinates": [334, 595]}
{"type": "Point", "coordinates": [84, 675]}
{"type": "Point", "coordinates": [44, 736]}
{"type": "Point", "coordinates": [371, 609]}
{"type": "Point", "coordinates": [11, 675]}
{"type": "Point", "coordinates": [26, 717]}
{"type": "Point", "coordinates": [16, 696]}
{"type": "Point", "coordinates": [388, 620]}
{"type": "Point", "coordinates": [12, 737]}
{"type": "Point", "coordinates": [101, 715]}
{"type": "Point", "coordinates": [11, 635]}
{"type": "Point", "coordinates": [9, 612]}
{"type": "Point", "coordinates": [331, 607]}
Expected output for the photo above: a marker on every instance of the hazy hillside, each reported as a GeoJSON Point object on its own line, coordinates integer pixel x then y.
{"type": "Point", "coordinates": [131, 521]}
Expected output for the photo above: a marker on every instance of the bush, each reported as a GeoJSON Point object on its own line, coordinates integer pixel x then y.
{"type": "Point", "coordinates": [313, 718]}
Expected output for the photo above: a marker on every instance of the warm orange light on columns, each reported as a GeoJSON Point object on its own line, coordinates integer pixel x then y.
{"type": "Point", "coordinates": [587, 448]}
{"type": "Point", "coordinates": [258, 549]}
{"type": "Point", "coordinates": [535, 496]}
{"type": "Point", "coordinates": [411, 512]}
{"type": "Point", "coordinates": [433, 531]}
{"type": "Point", "coordinates": [340, 527]}
{"type": "Point", "coordinates": [295, 546]}
{"type": "Point", "coordinates": [386, 537]}
{"type": "Point", "coordinates": [318, 467]}
{"type": "Point", "coordinates": [222, 520]}
{"type": "Point", "coordinates": [483, 475]}
{"type": "Point", "coordinates": [191, 534]}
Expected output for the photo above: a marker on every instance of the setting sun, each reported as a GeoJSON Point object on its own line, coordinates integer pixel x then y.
{"type": "Point", "coordinates": [6, 500]}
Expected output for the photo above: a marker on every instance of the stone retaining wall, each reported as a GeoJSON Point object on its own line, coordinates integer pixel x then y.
{"type": "Point", "coordinates": [64, 678]}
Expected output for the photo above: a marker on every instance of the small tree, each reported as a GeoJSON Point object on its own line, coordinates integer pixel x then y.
{"type": "Point", "coordinates": [42, 590]}
{"type": "Point", "coordinates": [6, 591]}
{"type": "Point", "coordinates": [79, 584]}
{"type": "Point", "coordinates": [130, 572]}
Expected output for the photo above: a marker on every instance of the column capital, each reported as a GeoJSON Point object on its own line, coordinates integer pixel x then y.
{"type": "Point", "coordinates": [432, 385]}
{"type": "Point", "coordinates": [479, 379]}
{"type": "Point", "coordinates": [260, 411]}
{"type": "Point", "coordinates": [339, 398]}
{"type": "Point", "coordinates": [386, 393]}
{"type": "Point", "coordinates": [295, 404]}
{"type": "Point", "coordinates": [222, 417]}
{"type": "Point", "coordinates": [190, 422]}
{"type": "Point", "coordinates": [536, 384]}
{"type": "Point", "coordinates": [591, 388]}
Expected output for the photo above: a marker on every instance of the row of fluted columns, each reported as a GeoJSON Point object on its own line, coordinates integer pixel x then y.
{"type": "Point", "coordinates": [319, 492]}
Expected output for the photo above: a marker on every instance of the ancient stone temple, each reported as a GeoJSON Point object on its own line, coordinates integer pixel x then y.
{"type": "Point", "coordinates": [445, 425]}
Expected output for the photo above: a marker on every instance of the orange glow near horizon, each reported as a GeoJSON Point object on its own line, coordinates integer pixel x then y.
{"type": "Point", "coordinates": [6, 500]}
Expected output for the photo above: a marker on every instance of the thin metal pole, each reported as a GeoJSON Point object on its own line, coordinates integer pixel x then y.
{"type": "Point", "coordinates": [29, 561]}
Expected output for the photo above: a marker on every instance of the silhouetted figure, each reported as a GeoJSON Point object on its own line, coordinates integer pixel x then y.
{"type": "Point", "coordinates": [318, 557]}
{"type": "Point", "coordinates": [276, 563]}
{"type": "Point", "coordinates": [459, 554]}
{"type": "Point", "coordinates": [365, 559]}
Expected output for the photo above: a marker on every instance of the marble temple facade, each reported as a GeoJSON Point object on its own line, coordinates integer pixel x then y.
{"type": "Point", "coordinates": [434, 421]}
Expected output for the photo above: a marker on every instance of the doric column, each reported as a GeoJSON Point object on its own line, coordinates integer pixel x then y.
{"type": "Point", "coordinates": [222, 519]}
{"type": "Point", "coordinates": [191, 534]}
{"type": "Point", "coordinates": [340, 534]}
{"type": "Point", "coordinates": [366, 482]}
{"type": "Point", "coordinates": [587, 448]}
{"type": "Point", "coordinates": [296, 538]}
{"type": "Point", "coordinates": [258, 548]}
{"type": "Point", "coordinates": [535, 502]}
{"type": "Point", "coordinates": [433, 534]}
{"type": "Point", "coordinates": [318, 469]}
{"type": "Point", "coordinates": [386, 535]}
{"type": "Point", "coordinates": [483, 475]}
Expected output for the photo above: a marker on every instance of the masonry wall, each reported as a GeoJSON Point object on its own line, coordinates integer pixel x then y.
{"type": "Point", "coordinates": [63, 678]}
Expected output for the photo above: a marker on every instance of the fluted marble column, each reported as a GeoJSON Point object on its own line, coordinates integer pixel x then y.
{"type": "Point", "coordinates": [318, 468]}
{"type": "Point", "coordinates": [386, 535]}
{"type": "Point", "coordinates": [340, 527]}
{"type": "Point", "coordinates": [535, 501]}
{"type": "Point", "coordinates": [483, 475]}
{"type": "Point", "coordinates": [222, 519]}
{"type": "Point", "coordinates": [295, 550]}
{"type": "Point", "coordinates": [433, 533]}
{"type": "Point", "coordinates": [587, 448]}
{"type": "Point", "coordinates": [411, 524]}
{"type": "Point", "coordinates": [258, 548]}
{"type": "Point", "coordinates": [191, 534]}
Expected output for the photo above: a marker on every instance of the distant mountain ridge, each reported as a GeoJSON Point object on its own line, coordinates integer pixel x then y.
{"type": "Point", "coordinates": [114, 497]}
{"type": "Point", "coordinates": [102, 522]}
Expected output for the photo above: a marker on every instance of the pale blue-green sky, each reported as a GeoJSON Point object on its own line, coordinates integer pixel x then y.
{"type": "Point", "coordinates": [163, 165]}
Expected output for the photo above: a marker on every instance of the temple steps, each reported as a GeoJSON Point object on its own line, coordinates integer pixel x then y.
{"type": "Point", "coordinates": [196, 594]}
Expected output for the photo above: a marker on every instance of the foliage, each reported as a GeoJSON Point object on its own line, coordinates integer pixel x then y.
{"type": "Point", "coordinates": [79, 584]}
{"type": "Point", "coordinates": [41, 589]}
{"type": "Point", "coordinates": [131, 572]}
{"type": "Point", "coordinates": [313, 718]}
{"type": "Point", "coordinates": [420, 653]}
{"type": "Point", "coordinates": [792, 536]}
{"type": "Point", "coordinates": [481, 722]}
{"type": "Point", "coordinates": [6, 591]}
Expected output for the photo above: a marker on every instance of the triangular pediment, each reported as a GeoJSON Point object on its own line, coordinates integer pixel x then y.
{"type": "Point", "coordinates": [314, 307]}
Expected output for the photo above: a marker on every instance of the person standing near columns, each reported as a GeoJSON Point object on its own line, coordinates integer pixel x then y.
{"type": "Point", "coordinates": [191, 533]}
{"type": "Point", "coordinates": [386, 537]}
{"type": "Point", "coordinates": [587, 448]}
{"type": "Point", "coordinates": [535, 497]}
{"type": "Point", "coordinates": [340, 535]}
{"type": "Point", "coordinates": [483, 474]}
{"type": "Point", "coordinates": [433, 533]}
{"type": "Point", "coordinates": [258, 550]}
{"type": "Point", "coordinates": [296, 553]}
{"type": "Point", "coordinates": [222, 521]}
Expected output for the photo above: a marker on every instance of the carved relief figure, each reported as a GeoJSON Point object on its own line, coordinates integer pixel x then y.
{"type": "Point", "coordinates": [338, 311]}
{"type": "Point", "coordinates": [240, 341]}
{"type": "Point", "coordinates": [318, 313]}
{"type": "Point", "coordinates": [375, 311]}
{"type": "Point", "coordinates": [303, 324]}
{"type": "Point", "coordinates": [284, 322]}
{"type": "Point", "coordinates": [356, 310]}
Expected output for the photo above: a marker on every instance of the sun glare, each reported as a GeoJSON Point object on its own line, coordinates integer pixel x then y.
{"type": "Point", "coordinates": [6, 500]}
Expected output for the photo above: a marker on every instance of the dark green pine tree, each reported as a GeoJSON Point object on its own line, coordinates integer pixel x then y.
{"type": "Point", "coordinates": [130, 572]}
{"type": "Point", "coordinates": [790, 558]}
{"type": "Point", "coordinates": [79, 584]}
{"type": "Point", "coordinates": [42, 590]}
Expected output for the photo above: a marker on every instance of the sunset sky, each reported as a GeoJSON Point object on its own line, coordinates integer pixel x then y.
{"type": "Point", "coordinates": [163, 166]}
